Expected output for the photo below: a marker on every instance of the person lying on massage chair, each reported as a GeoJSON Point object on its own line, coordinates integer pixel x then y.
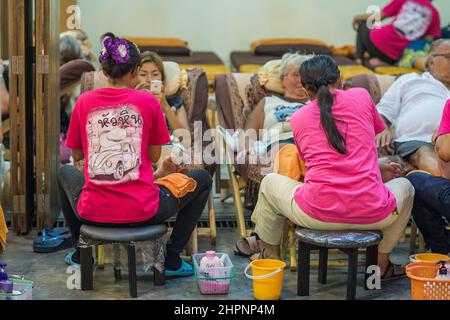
{"type": "Point", "coordinates": [413, 20]}
{"type": "Point", "coordinates": [273, 114]}
{"type": "Point", "coordinates": [413, 105]}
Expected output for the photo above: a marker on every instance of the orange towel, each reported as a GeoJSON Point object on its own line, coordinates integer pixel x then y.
{"type": "Point", "coordinates": [178, 184]}
{"type": "Point", "coordinates": [289, 164]}
{"type": "Point", "coordinates": [3, 231]}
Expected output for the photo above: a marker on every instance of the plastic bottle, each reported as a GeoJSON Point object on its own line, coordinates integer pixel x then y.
{"type": "Point", "coordinates": [443, 272]}
{"type": "Point", "coordinates": [6, 286]}
{"type": "Point", "coordinates": [209, 263]}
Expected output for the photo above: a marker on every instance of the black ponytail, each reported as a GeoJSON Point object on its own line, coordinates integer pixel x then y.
{"type": "Point", "coordinates": [316, 74]}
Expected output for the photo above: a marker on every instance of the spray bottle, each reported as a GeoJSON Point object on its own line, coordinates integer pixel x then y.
{"type": "Point", "coordinates": [443, 272]}
{"type": "Point", "coordinates": [6, 286]}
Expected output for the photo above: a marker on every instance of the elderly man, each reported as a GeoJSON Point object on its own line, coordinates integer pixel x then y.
{"type": "Point", "coordinates": [432, 200]}
{"type": "Point", "coordinates": [414, 106]}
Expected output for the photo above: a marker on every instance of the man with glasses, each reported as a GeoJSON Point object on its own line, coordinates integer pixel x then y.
{"type": "Point", "coordinates": [414, 105]}
{"type": "Point", "coordinates": [432, 199]}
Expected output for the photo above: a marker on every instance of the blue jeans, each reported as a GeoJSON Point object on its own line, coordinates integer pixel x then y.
{"type": "Point", "coordinates": [431, 204]}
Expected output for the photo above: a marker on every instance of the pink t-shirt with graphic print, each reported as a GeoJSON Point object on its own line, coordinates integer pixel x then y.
{"type": "Point", "coordinates": [342, 188]}
{"type": "Point", "coordinates": [114, 128]}
{"type": "Point", "coordinates": [414, 19]}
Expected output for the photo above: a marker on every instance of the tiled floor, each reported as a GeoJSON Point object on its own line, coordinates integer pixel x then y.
{"type": "Point", "coordinates": [48, 272]}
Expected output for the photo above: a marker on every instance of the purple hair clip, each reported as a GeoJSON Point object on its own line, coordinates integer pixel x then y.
{"type": "Point", "coordinates": [117, 49]}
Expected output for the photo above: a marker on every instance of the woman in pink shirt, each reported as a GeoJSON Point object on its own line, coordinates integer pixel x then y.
{"type": "Point", "coordinates": [119, 132]}
{"type": "Point", "coordinates": [413, 20]}
{"type": "Point", "coordinates": [343, 187]}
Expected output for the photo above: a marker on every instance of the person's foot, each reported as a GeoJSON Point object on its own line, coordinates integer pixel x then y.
{"type": "Point", "coordinates": [185, 270]}
{"type": "Point", "coordinates": [73, 258]}
{"type": "Point", "coordinates": [267, 251]}
{"type": "Point", "coordinates": [376, 62]}
{"type": "Point", "coordinates": [392, 271]}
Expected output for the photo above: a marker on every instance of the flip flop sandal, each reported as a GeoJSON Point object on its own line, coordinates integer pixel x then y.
{"type": "Point", "coordinates": [247, 247]}
{"type": "Point", "coordinates": [55, 232]}
{"type": "Point", "coordinates": [185, 270]}
{"type": "Point", "coordinates": [51, 242]}
{"type": "Point", "coordinates": [69, 259]}
{"type": "Point", "coordinates": [390, 273]}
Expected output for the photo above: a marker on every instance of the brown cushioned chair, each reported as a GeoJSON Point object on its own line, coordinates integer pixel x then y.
{"type": "Point", "coordinates": [237, 95]}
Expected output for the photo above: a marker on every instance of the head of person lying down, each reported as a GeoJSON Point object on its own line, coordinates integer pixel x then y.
{"type": "Point", "coordinates": [268, 127]}
{"type": "Point", "coordinates": [290, 76]}
{"type": "Point", "coordinates": [438, 63]}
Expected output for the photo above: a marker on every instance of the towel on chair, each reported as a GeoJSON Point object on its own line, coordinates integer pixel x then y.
{"type": "Point", "coordinates": [289, 164]}
{"type": "Point", "coordinates": [3, 231]}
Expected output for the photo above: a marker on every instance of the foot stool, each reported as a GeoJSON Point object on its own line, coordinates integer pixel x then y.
{"type": "Point", "coordinates": [92, 236]}
{"type": "Point", "coordinates": [346, 241]}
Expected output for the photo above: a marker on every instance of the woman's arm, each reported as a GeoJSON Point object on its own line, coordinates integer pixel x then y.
{"type": "Point", "coordinates": [443, 147]}
{"type": "Point", "coordinates": [364, 17]}
{"type": "Point", "coordinates": [155, 153]}
{"type": "Point", "coordinates": [77, 155]}
{"type": "Point", "coordinates": [178, 119]}
{"type": "Point", "coordinates": [253, 126]}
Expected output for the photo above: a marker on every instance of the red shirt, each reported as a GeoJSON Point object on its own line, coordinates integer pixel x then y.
{"type": "Point", "coordinates": [342, 188]}
{"type": "Point", "coordinates": [414, 19]}
{"type": "Point", "coordinates": [114, 128]}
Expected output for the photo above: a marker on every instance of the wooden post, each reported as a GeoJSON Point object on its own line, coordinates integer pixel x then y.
{"type": "Point", "coordinates": [47, 111]}
{"type": "Point", "coordinates": [4, 27]}
{"type": "Point", "coordinates": [20, 101]}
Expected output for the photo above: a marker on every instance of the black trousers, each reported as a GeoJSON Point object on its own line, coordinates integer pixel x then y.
{"type": "Point", "coordinates": [431, 204]}
{"type": "Point", "coordinates": [364, 44]}
{"type": "Point", "coordinates": [188, 209]}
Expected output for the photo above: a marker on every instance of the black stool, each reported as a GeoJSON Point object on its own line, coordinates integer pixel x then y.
{"type": "Point", "coordinates": [346, 241]}
{"type": "Point", "coordinates": [91, 236]}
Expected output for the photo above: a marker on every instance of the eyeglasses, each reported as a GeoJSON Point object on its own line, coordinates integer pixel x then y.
{"type": "Point", "coordinates": [445, 55]}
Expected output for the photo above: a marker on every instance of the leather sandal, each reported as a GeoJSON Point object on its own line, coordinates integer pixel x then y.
{"type": "Point", "coordinates": [393, 271]}
{"type": "Point", "coordinates": [247, 247]}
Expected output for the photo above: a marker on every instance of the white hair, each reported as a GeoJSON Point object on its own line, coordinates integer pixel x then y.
{"type": "Point", "coordinates": [290, 60]}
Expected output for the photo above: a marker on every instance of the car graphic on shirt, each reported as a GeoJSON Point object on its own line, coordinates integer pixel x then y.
{"type": "Point", "coordinates": [115, 157]}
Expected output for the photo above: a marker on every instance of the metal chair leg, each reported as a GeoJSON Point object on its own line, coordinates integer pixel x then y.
{"type": "Point", "coordinates": [323, 265]}
{"type": "Point", "coordinates": [87, 272]}
{"type": "Point", "coordinates": [371, 260]}
{"type": "Point", "coordinates": [352, 273]}
{"type": "Point", "coordinates": [132, 269]}
{"type": "Point", "coordinates": [304, 258]}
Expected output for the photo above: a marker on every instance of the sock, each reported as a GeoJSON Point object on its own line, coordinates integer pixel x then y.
{"type": "Point", "coordinates": [173, 261]}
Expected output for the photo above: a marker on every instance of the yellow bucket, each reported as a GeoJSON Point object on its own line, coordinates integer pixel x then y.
{"type": "Point", "coordinates": [267, 278]}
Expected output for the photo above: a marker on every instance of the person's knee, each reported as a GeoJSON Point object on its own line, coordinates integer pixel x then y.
{"type": "Point", "coordinates": [417, 179]}
{"type": "Point", "coordinates": [64, 174]}
{"type": "Point", "coordinates": [204, 180]}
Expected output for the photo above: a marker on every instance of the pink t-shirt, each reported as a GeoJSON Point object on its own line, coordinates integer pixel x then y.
{"type": "Point", "coordinates": [114, 128]}
{"type": "Point", "coordinates": [342, 188]}
{"type": "Point", "coordinates": [414, 19]}
{"type": "Point", "coordinates": [445, 123]}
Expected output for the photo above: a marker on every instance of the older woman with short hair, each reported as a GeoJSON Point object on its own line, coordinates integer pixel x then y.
{"type": "Point", "coordinates": [271, 118]}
